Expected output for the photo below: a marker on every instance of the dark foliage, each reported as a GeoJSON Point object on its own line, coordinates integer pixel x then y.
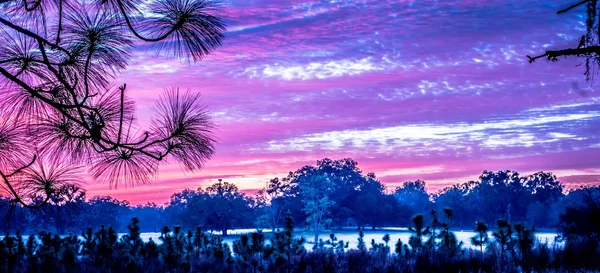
{"type": "Point", "coordinates": [535, 200]}
{"type": "Point", "coordinates": [59, 104]}
{"type": "Point", "coordinates": [362, 200]}
{"type": "Point", "coordinates": [102, 250]}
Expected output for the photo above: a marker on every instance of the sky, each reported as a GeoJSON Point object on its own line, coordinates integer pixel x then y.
{"type": "Point", "coordinates": [430, 90]}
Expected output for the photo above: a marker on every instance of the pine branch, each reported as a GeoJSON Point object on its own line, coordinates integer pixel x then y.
{"type": "Point", "coordinates": [573, 6]}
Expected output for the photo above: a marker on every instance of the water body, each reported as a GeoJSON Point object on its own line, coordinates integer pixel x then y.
{"type": "Point", "coordinates": [351, 236]}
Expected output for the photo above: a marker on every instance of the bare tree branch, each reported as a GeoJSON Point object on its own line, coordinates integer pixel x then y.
{"type": "Point", "coordinates": [572, 6]}
{"type": "Point", "coordinates": [552, 55]}
{"type": "Point", "coordinates": [588, 47]}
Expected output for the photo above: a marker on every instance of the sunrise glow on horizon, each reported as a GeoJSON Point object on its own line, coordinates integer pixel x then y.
{"type": "Point", "coordinates": [430, 90]}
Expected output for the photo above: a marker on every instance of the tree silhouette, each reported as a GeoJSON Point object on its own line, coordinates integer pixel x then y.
{"type": "Point", "coordinates": [481, 238]}
{"type": "Point", "coordinates": [419, 230]}
{"type": "Point", "coordinates": [449, 242]}
{"type": "Point", "coordinates": [525, 240]}
{"type": "Point", "coordinates": [503, 236]}
{"type": "Point", "coordinates": [58, 60]}
{"type": "Point", "coordinates": [588, 47]}
{"type": "Point", "coordinates": [361, 241]}
{"type": "Point", "coordinates": [225, 205]}
{"type": "Point", "coordinates": [317, 204]}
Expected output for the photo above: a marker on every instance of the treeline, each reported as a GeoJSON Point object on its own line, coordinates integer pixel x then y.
{"type": "Point", "coordinates": [335, 192]}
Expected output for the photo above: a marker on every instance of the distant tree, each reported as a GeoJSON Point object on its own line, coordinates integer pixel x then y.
{"type": "Point", "coordinates": [582, 220]}
{"type": "Point", "coordinates": [359, 199]}
{"type": "Point", "coordinates": [187, 209]}
{"type": "Point", "coordinates": [544, 187]}
{"type": "Point", "coordinates": [539, 215]}
{"type": "Point", "coordinates": [588, 47]}
{"type": "Point", "coordinates": [498, 194]}
{"type": "Point", "coordinates": [271, 206]}
{"type": "Point", "coordinates": [59, 214]}
{"type": "Point", "coordinates": [66, 207]}
{"type": "Point", "coordinates": [455, 197]}
{"type": "Point", "coordinates": [221, 206]}
{"type": "Point", "coordinates": [226, 206]}
{"type": "Point", "coordinates": [262, 222]}
{"type": "Point", "coordinates": [317, 203]}
{"type": "Point", "coordinates": [348, 183]}
{"type": "Point", "coordinates": [536, 199]}
{"type": "Point", "coordinates": [150, 216]}
{"type": "Point", "coordinates": [373, 206]}
{"type": "Point", "coordinates": [413, 198]}
{"type": "Point", "coordinates": [104, 210]}
{"type": "Point", "coordinates": [285, 198]}
{"type": "Point", "coordinates": [59, 102]}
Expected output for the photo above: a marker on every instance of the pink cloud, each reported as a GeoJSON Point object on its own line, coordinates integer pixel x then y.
{"type": "Point", "coordinates": [315, 72]}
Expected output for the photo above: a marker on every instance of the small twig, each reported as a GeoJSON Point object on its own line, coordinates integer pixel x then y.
{"type": "Point", "coordinates": [121, 112]}
{"type": "Point", "coordinates": [60, 19]}
{"type": "Point", "coordinates": [34, 36]}
{"type": "Point", "coordinates": [130, 26]}
{"type": "Point", "coordinates": [532, 59]}
{"type": "Point", "coordinates": [573, 6]}
{"type": "Point", "coordinates": [23, 167]}
{"type": "Point", "coordinates": [14, 192]}
{"type": "Point", "coordinates": [35, 6]}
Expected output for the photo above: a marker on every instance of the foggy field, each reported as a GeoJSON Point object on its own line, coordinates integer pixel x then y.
{"type": "Point", "coordinates": [351, 236]}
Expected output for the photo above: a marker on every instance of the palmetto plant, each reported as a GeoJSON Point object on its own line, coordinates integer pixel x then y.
{"type": "Point", "coordinates": [60, 106]}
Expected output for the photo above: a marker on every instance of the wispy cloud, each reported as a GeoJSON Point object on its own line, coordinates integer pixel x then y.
{"type": "Point", "coordinates": [437, 90]}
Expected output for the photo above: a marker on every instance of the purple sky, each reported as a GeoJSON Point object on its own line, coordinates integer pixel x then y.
{"type": "Point", "coordinates": [431, 90]}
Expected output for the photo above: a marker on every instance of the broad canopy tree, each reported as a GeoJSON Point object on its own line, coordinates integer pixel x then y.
{"type": "Point", "coordinates": [61, 107]}
{"type": "Point", "coordinates": [227, 206]}
{"type": "Point", "coordinates": [220, 206]}
{"type": "Point", "coordinates": [412, 198]}
{"type": "Point", "coordinates": [373, 206]}
{"type": "Point", "coordinates": [505, 194]}
{"type": "Point", "coordinates": [351, 192]}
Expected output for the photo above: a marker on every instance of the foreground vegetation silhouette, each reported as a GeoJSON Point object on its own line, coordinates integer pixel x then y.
{"type": "Point", "coordinates": [511, 249]}
{"type": "Point", "coordinates": [62, 113]}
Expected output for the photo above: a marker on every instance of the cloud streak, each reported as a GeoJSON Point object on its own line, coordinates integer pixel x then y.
{"type": "Point", "coordinates": [433, 90]}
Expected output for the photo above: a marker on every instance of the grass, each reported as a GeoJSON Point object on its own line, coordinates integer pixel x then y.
{"type": "Point", "coordinates": [196, 251]}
